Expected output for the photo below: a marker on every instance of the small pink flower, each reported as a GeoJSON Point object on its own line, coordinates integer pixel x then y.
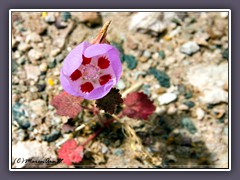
{"type": "Point", "coordinates": [90, 71]}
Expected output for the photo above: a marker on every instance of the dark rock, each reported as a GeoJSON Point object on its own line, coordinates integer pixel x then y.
{"type": "Point", "coordinates": [225, 54]}
{"type": "Point", "coordinates": [19, 115]}
{"type": "Point", "coordinates": [41, 87]}
{"type": "Point", "coordinates": [190, 104]}
{"type": "Point", "coordinates": [52, 63]}
{"type": "Point", "coordinates": [60, 24]}
{"type": "Point", "coordinates": [65, 16]}
{"type": "Point", "coordinates": [188, 95]}
{"type": "Point", "coordinates": [52, 137]}
{"type": "Point", "coordinates": [162, 77]}
{"type": "Point", "coordinates": [14, 65]}
{"type": "Point", "coordinates": [162, 54]}
{"type": "Point", "coordinates": [188, 124]}
{"type": "Point", "coordinates": [22, 135]}
{"type": "Point", "coordinates": [131, 61]}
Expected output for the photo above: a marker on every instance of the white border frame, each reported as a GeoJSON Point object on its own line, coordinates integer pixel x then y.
{"type": "Point", "coordinates": [119, 10]}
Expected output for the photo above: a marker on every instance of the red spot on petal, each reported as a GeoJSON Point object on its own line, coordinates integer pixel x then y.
{"type": "Point", "coordinates": [87, 87]}
{"type": "Point", "coordinates": [76, 75]}
{"type": "Point", "coordinates": [104, 79]}
{"type": "Point", "coordinates": [103, 63]}
{"type": "Point", "coordinates": [85, 60]}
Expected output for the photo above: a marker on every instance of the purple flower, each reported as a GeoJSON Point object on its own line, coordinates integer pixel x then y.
{"type": "Point", "coordinates": [90, 71]}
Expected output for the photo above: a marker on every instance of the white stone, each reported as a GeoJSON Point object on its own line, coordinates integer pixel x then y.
{"type": "Point", "coordinates": [32, 72]}
{"type": "Point", "coordinates": [23, 47]}
{"type": "Point", "coordinates": [34, 150]}
{"type": "Point", "coordinates": [172, 110]}
{"type": "Point", "coordinates": [200, 113]}
{"type": "Point", "coordinates": [148, 21]}
{"type": "Point", "coordinates": [167, 98]}
{"type": "Point", "coordinates": [210, 80]}
{"type": "Point", "coordinates": [34, 55]}
{"type": "Point", "coordinates": [39, 107]}
{"type": "Point", "coordinates": [33, 37]}
{"type": "Point", "coordinates": [43, 67]}
{"type": "Point", "coordinates": [214, 96]}
{"type": "Point", "coordinates": [189, 48]}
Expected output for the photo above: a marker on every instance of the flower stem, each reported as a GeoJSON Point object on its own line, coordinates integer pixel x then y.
{"type": "Point", "coordinates": [92, 137]}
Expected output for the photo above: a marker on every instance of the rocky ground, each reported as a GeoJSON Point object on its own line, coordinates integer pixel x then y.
{"type": "Point", "coordinates": [182, 58]}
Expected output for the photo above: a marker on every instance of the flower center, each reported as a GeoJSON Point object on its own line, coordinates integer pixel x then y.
{"type": "Point", "coordinates": [90, 72]}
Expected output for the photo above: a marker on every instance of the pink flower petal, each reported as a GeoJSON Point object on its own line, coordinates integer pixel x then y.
{"type": "Point", "coordinates": [101, 91]}
{"type": "Point", "coordinates": [114, 57]}
{"type": "Point", "coordinates": [66, 84]}
{"type": "Point", "coordinates": [97, 50]}
{"type": "Point", "coordinates": [74, 58]}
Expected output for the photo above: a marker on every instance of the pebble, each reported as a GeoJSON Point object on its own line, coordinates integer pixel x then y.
{"type": "Point", "coordinates": [22, 60]}
{"type": "Point", "coordinates": [155, 56]}
{"type": "Point", "coordinates": [65, 16]}
{"type": "Point", "coordinates": [160, 90]}
{"type": "Point", "coordinates": [20, 115]}
{"type": "Point", "coordinates": [225, 54]}
{"type": "Point", "coordinates": [188, 95]}
{"type": "Point", "coordinates": [167, 98]}
{"type": "Point", "coordinates": [32, 71]}
{"type": "Point", "coordinates": [225, 130]}
{"type": "Point", "coordinates": [23, 47]}
{"type": "Point", "coordinates": [52, 137]}
{"type": "Point", "coordinates": [50, 18]}
{"type": "Point", "coordinates": [121, 85]}
{"type": "Point", "coordinates": [41, 87]}
{"type": "Point", "coordinates": [214, 96]}
{"type": "Point", "coordinates": [59, 58]}
{"type": "Point", "coordinates": [200, 113]}
{"type": "Point", "coordinates": [22, 135]}
{"type": "Point", "coordinates": [33, 37]}
{"type": "Point", "coordinates": [170, 60]}
{"type": "Point", "coordinates": [148, 22]}
{"type": "Point", "coordinates": [146, 89]}
{"type": "Point", "coordinates": [14, 66]}
{"type": "Point", "coordinates": [147, 54]}
{"type": "Point", "coordinates": [143, 59]}
{"type": "Point", "coordinates": [34, 55]}
{"type": "Point", "coordinates": [210, 81]}
{"type": "Point", "coordinates": [39, 107]}
{"type": "Point", "coordinates": [14, 43]}
{"type": "Point", "coordinates": [188, 124]}
{"type": "Point", "coordinates": [59, 42]}
{"type": "Point", "coordinates": [59, 24]}
{"type": "Point", "coordinates": [89, 18]}
{"type": "Point", "coordinates": [189, 48]}
{"type": "Point", "coordinates": [43, 67]}
{"type": "Point", "coordinates": [104, 149]}
{"type": "Point", "coordinates": [131, 61]}
{"type": "Point", "coordinates": [162, 77]}
{"type": "Point", "coordinates": [55, 51]}
{"type": "Point", "coordinates": [190, 104]}
{"type": "Point", "coordinates": [183, 107]}
{"type": "Point", "coordinates": [118, 152]}
{"type": "Point", "coordinates": [162, 54]}
{"type": "Point", "coordinates": [52, 63]}
{"type": "Point", "coordinates": [172, 110]}
{"type": "Point", "coordinates": [33, 89]}
{"type": "Point", "coordinates": [171, 158]}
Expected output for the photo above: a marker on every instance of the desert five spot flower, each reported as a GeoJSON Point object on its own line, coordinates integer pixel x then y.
{"type": "Point", "coordinates": [90, 71]}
